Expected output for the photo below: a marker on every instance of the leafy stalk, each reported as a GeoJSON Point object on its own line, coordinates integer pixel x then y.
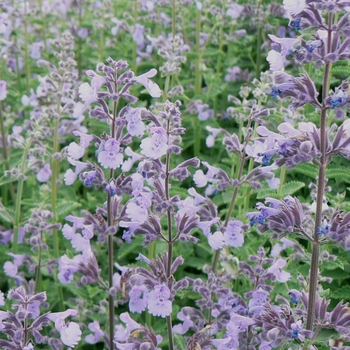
{"type": "Point", "coordinates": [110, 220]}
{"type": "Point", "coordinates": [5, 158]}
{"type": "Point", "coordinates": [170, 241]}
{"type": "Point", "coordinates": [320, 192]}
{"type": "Point", "coordinates": [19, 194]}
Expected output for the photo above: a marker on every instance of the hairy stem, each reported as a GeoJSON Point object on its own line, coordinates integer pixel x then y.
{"type": "Point", "coordinates": [38, 268]}
{"type": "Point", "coordinates": [5, 157]}
{"type": "Point", "coordinates": [170, 239]}
{"type": "Point", "coordinates": [320, 192]}
{"type": "Point", "coordinates": [19, 195]}
{"type": "Point", "coordinates": [197, 84]}
{"type": "Point", "coordinates": [110, 220]}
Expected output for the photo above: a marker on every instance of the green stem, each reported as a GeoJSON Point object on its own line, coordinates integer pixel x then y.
{"type": "Point", "coordinates": [320, 192]}
{"type": "Point", "coordinates": [258, 48]}
{"type": "Point", "coordinates": [19, 194]}
{"type": "Point", "coordinates": [38, 274]}
{"type": "Point", "coordinates": [197, 85]}
{"type": "Point", "coordinates": [110, 221]}
{"type": "Point", "coordinates": [173, 18]}
{"type": "Point", "coordinates": [134, 46]}
{"type": "Point", "coordinates": [26, 48]}
{"type": "Point", "coordinates": [282, 179]}
{"type": "Point", "coordinates": [219, 61]}
{"type": "Point", "coordinates": [5, 157]}
{"type": "Point", "coordinates": [170, 239]}
{"type": "Point", "coordinates": [230, 210]}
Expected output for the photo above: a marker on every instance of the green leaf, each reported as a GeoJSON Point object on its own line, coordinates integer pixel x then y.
{"type": "Point", "coordinates": [339, 174]}
{"type": "Point", "coordinates": [291, 187]}
{"type": "Point", "coordinates": [341, 293]}
{"type": "Point", "coordinates": [307, 169]}
{"type": "Point", "coordinates": [332, 265]}
{"type": "Point", "coordinates": [7, 215]}
{"type": "Point", "coordinates": [66, 207]}
{"type": "Point", "coordinates": [7, 179]}
{"type": "Point", "coordinates": [266, 192]}
{"type": "Point", "coordinates": [326, 334]}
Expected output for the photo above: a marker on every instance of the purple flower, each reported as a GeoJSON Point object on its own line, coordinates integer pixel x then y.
{"type": "Point", "coordinates": [134, 157]}
{"type": "Point", "coordinates": [259, 297]}
{"type": "Point", "coordinates": [157, 145]}
{"type": "Point", "coordinates": [276, 61]}
{"type": "Point", "coordinates": [67, 267]}
{"type": "Point", "coordinates": [275, 269]}
{"type": "Point", "coordinates": [3, 91]}
{"type": "Point", "coordinates": [210, 140]}
{"type": "Point", "coordinates": [158, 301]}
{"type": "Point", "coordinates": [152, 88]}
{"type": "Point", "coordinates": [76, 151]}
{"type": "Point", "coordinates": [87, 93]}
{"type": "Point", "coordinates": [138, 35]}
{"type": "Point", "coordinates": [135, 126]}
{"type": "Point", "coordinates": [70, 176]}
{"type": "Point", "coordinates": [277, 248]}
{"type": "Point", "coordinates": [138, 298]}
{"type": "Point", "coordinates": [44, 173]}
{"type": "Point", "coordinates": [234, 234]}
{"type": "Point", "coordinates": [70, 333]}
{"type": "Point", "coordinates": [98, 333]}
{"type": "Point", "coordinates": [204, 112]}
{"type": "Point", "coordinates": [234, 11]}
{"type": "Point", "coordinates": [35, 51]}
{"type": "Point", "coordinates": [2, 298]}
{"type": "Point", "coordinates": [122, 334]}
{"type": "Point", "coordinates": [185, 326]}
{"type": "Point", "coordinates": [294, 7]}
{"type": "Point", "coordinates": [110, 157]}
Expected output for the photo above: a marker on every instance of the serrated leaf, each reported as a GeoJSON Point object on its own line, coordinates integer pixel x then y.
{"type": "Point", "coordinates": [291, 187]}
{"type": "Point", "coordinates": [326, 334]}
{"type": "Point", "coordinates": [338, 173]}
{"type": "Point", "coordinates": [7, 215]}
{"type": "Point", "coordinates": [332, 265]}
{"type": "Point", "coordinates": [7, 179]}
{"type": "Point", "coordinates": [266, 192]}
{"type": "Point", "coordinates": [307, 169]}
{"type": "Point", "coordinates": [66, 207]}
{"type": "Point", "coordinates": [336, 274]}
{"type": "Point", "coordinates": [341, 293]}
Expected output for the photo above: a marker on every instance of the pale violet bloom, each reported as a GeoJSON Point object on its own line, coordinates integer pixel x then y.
{"type": "Point", "coordinates": [70, 176]}
{"type": "Point", "coordinates": [276, 60]}
{"type": "Point", "coordinates": [2, 298]}
{"type": "Point", "coordinates": [293, 7]}
{"type": "Point", "coordinates": [158, 301]}
{"type": "Point", "coordinates": [216, 240]}
{"type": "Point", "coordinates": [97, 333]}
{"type": "Point", "coordinates": [138, 298]}
{"type": "Point", "coordinates": [3, 90]}
{"type": "Point", "coordinates": [275, 269]}
{"type": "Point", "coordinates": [156, 145]}
{"type": "Point", "coordinates": [234, 234]}
{"type": "Point", "coordinates": [76, 151]}
{"type": "Point", "coordinates": [87, 93]}
{"type": "Point", "coordinates": [234, 11]}
{"type": "Point", "coordinates": [133, 158]}
{"type": "Point", "coordinates": [135, 126]}
{"type": "Point", "coordinates": [110, 157]}
{"type": "Point", "coordinates": [277, 248]}
{"type": "Point", "coordinates": [210, 140]}
{"type": "Point", "coordinates": [136, 213]}
{"type": "Point", "coordinates": [70, 332]}
{"type": "Point", "coordinates": [44, 173]}
{"type": "Point", "coordinates": [152, 88]}
{"type": "Point", "coordinates": [123, 332]}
